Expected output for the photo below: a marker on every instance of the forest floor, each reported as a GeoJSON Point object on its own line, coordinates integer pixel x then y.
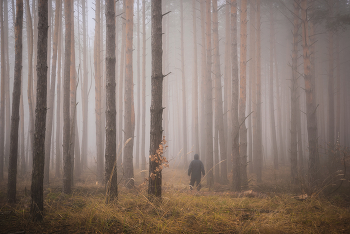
{"type": "Point", "coordinates": [270, 207]}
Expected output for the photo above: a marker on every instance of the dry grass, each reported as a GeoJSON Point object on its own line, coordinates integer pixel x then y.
{"type": "Point", "coordinates": [268, 208]}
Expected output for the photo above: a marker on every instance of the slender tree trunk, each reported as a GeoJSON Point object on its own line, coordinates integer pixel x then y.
{"type": "Point", "coordinates": [143, 146]}
{"type": "Point", "coordinates": [209, 108]}
{"type": "Point", "coordinates": [310, 101]}
{"type": "Point", "coordinates": [195, 81]}
{"type": "Point", "coordinates": [218, 96]}
{"type": "Point", "coordinates": [111, 135]}
{"type": "Point", "coordinates": [67, 161]}
{"type": "Point", "coordinates": [184, 112]}
{"type": "Point", "coordinates": [258, 157]}
{"type": "Point", "coordinates": [58, 106]}
{"type": "Point", "coordinates": [51, 97]}
{"type": "Point", "coordinates": [23, 162]}
{"type": "Point", "coordinates": [37, 189]}
{"type": "Point", "coordinates": [2, 99]}
{"type": "Point", "coordinates": [294, 98]}
{"type": "Point", "coordinates": [138, 84]}
{"type": "Point", "coordinates": [120, 92]}
{"type": "Point", "coordinates": [252, 85]}
{"type": "Point", "coordinates": [236, 180]}
{"type": "Point", "coordinates": [98, 81]}
{"type": "Point", "coordinates": [129, 117]}
{"type": "Point", "coordinates": [155, 172]}
{"type": "Point", "coordinates": [242, 93]}
{"type": "Point", "coordinates": [12, 173]}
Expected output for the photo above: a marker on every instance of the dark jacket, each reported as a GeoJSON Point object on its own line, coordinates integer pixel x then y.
{"type": "Point", "coordinates": [195, 169]}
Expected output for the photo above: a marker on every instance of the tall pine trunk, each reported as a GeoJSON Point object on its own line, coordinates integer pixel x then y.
{"type": "Point", "coordinates": [155, 175]}
{"type": "Point", "coordinates": [143, 146]}
{"type": "Point", "coordinates": [37, 189]}
{"type": "Point", "coordinates": [129, 117]}
{"type": "Point", "coordinates": [12, 173]}
{"type": "Point", "coordinates": [195, 134]}
{"type": "Point", "coordinates": [2, 98]}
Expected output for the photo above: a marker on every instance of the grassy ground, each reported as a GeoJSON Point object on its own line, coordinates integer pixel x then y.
{"type": "Point", "coordinates": [265, 208]}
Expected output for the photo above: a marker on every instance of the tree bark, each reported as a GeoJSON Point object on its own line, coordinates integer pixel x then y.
{"type": "Point", "coordinates": [155, 175]}
{"type": "Point", "coordinates": [236, 180]}
{"type": "Point", "coordinates": [138, 93]}
{"type": "Point", "coordinates": [310, 102]}
{"type": "Point", "coordinates": [195, 81]}
{"type": "Point", "coordinates": [2, 100]}
{"type": "Point", "coordinates": [209, 105]}
{"type": "Point", "coordinates": [129, 117]}
{"type": "Point", "coordinates": [37, 190]}
{"type": "Point", "coordinates": [242, 93]}
{"type": "Point", "coordinates": [143, 146]}
{"type": "Point", "coordinates": [67, 157]}
{"type": "Point", "coordinates": [12, 172]}
{"type": "Point", "coordinates": [111, 135]}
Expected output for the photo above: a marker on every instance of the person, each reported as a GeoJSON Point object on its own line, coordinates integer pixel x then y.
{"type": "Point", "coordinates": [195, 170]}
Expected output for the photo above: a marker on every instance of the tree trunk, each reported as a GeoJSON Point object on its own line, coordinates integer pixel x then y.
{"type": "Point", "coordinates": [138, 84]}
{"type": "Point", "coordinates": [12, 173]}
{"type": "Point", "coordinates": [51, 97]}
{"type": "Point", "coordinates": [111, 136]}
{"type": "Point", "coordinates": [195, 81]}
{"type": "Point", "coordinates": [2, 100]}
{"type": "Point", "coordinates": [209, 108]}
{"type": "Point", "coordinates": [242, 93]}
{"type": "Point", "coordinates": [67, 157]}
{"type": "Point", "coordinates": [236, 180]}
{"type": "Point", "coordinates": [98, 81]}
{"type": "Point", "coordinates": [258, 134]}
{"type": "Point", "coordinates": [129, 117]}
{"type": "Point", "coordinates": [294, 98]}
{"type": "Point", "coordinates": [143, 147]}
{"type": "Point", "coordinates": [184, 112]}
{"type": "Point", "coordinates": [310, 101]}
{"type": "Point", "coordinates": [155, 172]}
{"type": "Point", "coordinates": [37, 189]}
{"type": "Point", "coordinates": [271, 94]}
{"type": "Point", "coordinates": [219, 119]}
{"type": "Point", "coordinates": [58, 106]}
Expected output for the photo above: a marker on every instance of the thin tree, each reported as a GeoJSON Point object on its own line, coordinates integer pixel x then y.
{"type": "Point", "coordinates": [12, 173]}
{"type": "Point", "coordinates": [51, 97]}
{"type": "Point", "coordinates": [310, 100]}
{"type": "Point", "coordinates": [242, 92]}
{"type": "Point", "coordinates": [143, 148]}
{"type": "Point", "coordinates": [67, 161]}
{"type": "Point", "coordinates": [129, 117]}
{"type": "Point", "coordinates": [209, 109]}
{"type": "Point", "coordinates": [138, 91]}
{"type": "Point", "coordinates": [155, 175]}
{"type": "Point", "coordinates": [37, 189]}
{"type": "Point", "coordinates": [195, 81]}
{"type": "Point", "coordinates": [218, 95]}
{"type": "Point", "coordinates": [111, 134]}
{"type": "Point", "coordinates": [2, 99]}
{"type": "Point", "coordinates": [236, 180]}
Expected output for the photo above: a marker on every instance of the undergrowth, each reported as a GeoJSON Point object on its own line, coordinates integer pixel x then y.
{"type": "Point", "coordinates": [265, 208]}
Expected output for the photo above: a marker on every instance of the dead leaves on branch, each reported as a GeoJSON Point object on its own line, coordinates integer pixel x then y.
{"type": "Point", "coordinates": [159, 159]}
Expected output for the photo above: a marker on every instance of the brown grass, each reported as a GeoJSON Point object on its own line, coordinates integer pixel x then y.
{"type": "Point", "coordinates": [265, 208]}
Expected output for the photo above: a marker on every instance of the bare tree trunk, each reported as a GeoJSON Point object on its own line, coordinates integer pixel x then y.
{"type": "Point", "coordinates": [209, 108]}
{"type": "Point", "coordinates": [195, 81]}
{"type": "Point", "coordinates": [219, 119]}
{"type": "Point", "coordinates": [111, 135]}
{"type": "Point", "coordinates": [129, 117]}
{"type": "Point", "coordinates": [242, 93]}
{"type": "Point", "coordinates": [155, 172]}
{"type": "Point", "coordinates": [51, 98]}
{"type": "Point", "coordinates": [37, 189]}
{"type": "Point", "coordinates": [58, 107]}
{"type": "Point", "coordinates": [310, 101]}
{"type": "Point", "coordinates": [143, 147]}
{"type": "Point", "coordinates": [138, 84]}
{"type": "Point", "coordinates": [271, 94]}
{"type": "Point", "coordinates": [252, 86]}
{"type": "Point", "coordinates": [67, 157]}
{"type": "Point", "coordinates": [98, 106]}
{"type": "Point", "coordinates": [2, 101]}
{"type": "Point", "coordinates": [236, 180]}
{"type": "Point", "coordinates": [294, 97]}
{"type": "Point", "coordinates": [12, 173]}
{"type": "Point", "coordinates": [121, 86]}
{"type": "Point", "coordinates": [258, 134]}
{"type": "Point", "coordinates": [184, 112]}
{"type": "Point", "coordinates": [23, 162]}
